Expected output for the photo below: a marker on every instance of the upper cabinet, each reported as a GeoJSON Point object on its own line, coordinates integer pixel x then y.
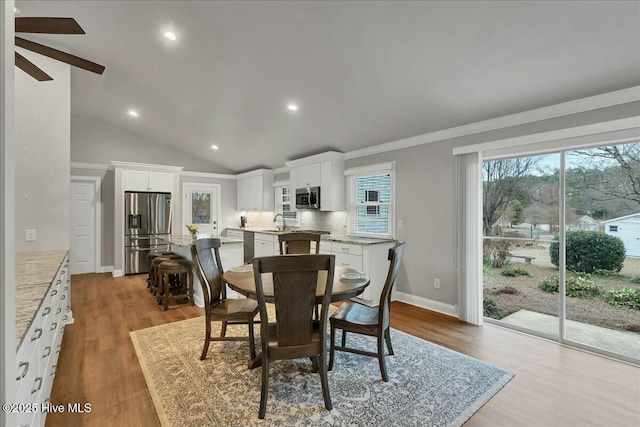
{"type": "Point", "coordinates": [136, 180]}
{"type": "Point", "coordinates": [255, 191]}
{"type": "Point", "coordinates": [324, 170]}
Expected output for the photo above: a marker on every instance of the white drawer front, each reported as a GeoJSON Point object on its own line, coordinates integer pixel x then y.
{"type": "Point", "coordinates": [346, 248]}
{"type": "Point", "coordinates": [270, 238]}
{"type": "Point", "coordinates": [235, 234]}
{"type": "Point", "coordinates": [349, 261]}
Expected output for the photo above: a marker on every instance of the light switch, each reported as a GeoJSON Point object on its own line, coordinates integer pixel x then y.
{"type": "Point", "coordinates": [31, 235]}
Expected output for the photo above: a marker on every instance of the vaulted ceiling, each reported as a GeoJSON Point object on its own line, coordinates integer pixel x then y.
{"type": "Point", "coordinates": [361, 73]}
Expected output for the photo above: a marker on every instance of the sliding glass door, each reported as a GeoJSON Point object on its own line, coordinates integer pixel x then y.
{"type": "Point", "coordinates": [562, 246]}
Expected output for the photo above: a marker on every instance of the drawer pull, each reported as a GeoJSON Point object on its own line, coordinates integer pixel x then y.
{"type": "Point", "coordinates": [59, 281]}
{"type": "Point", "coordinates": [53, 372]}
{"type": "Point", "coordinates": [46, 311]}
{"type": "Point", "coordinates": [63, 271]}
{"type": "Point", "coordinates": [55, 292]}
{"type": "Point", "coordinates": [48, 352]}
{"type": "Point", "coordinates": [35, 390]}
{"type": "Point", "coordinates": [24, 372]}
{"type": "Point", "coordinates": [345, 264]}
{"type": "Point", "coordinates": [345, 249]}
{"type": "Point", "coordinates": [58, 310]}
{"type": "Point", "coordinates": [54, 325]}
{"type": "Point", "coordinates": [63, 296]}
{"type": "Point", "coordinates": [65, 288]}
{"type": "Point", "coordinates": [65, 317]}
{"type": "Point", "coordinates": [39, 331]}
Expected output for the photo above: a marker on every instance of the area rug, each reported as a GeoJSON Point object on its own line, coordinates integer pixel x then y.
{"type": "Point", "coordinates": [429, 385]}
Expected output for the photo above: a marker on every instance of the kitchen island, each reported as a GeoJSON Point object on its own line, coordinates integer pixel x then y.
{"type": "Point", "coordinates": [231, 255]}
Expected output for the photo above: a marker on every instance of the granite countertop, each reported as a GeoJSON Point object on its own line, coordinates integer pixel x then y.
{"type": "Point", "coordinates": [187, 239]}
{"type": "Point", "coordinates": [326, 237]}
{"type": "Point", "coordinates": [35, 270]}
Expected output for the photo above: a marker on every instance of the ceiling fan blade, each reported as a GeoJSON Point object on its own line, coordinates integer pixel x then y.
{"type": "Point", "coordinates": [30, 68]}
{"type": "Point", "coordinates": [60, 55]}
{"type": "Point", "coordinates": [48, 26]}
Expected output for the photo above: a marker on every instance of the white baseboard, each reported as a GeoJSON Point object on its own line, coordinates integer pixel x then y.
{"type": "Point", "coordinates": [118, 273]}
{"type": "Point", "coordinates": [105, 269]}
{"type": "Point", "coordinates": [429, 304]}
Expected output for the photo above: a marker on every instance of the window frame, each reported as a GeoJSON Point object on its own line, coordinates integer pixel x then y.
{"type": "Point", "coordinates": [278, 205]}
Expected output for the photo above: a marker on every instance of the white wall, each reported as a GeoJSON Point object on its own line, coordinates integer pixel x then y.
{"type": "Point", "coordinates": [42, 131]}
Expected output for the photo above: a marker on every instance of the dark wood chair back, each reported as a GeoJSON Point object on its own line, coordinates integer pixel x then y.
{"type": "Point", "coordinates": [395, 256]}
{"type": "Point", "coordinates": [208, 266]}
{"type": "Point", "coordinates": [298, 243]}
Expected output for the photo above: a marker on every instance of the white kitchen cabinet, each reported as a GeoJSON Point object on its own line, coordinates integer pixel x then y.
{"type": "Point", "coordinates": [265, 244]}
{"type": "Point", "coordinates": [37, 354]}
{"type": "Point", "coordinates": [370, 259]}
{"type": "Point", "coordinates": [255, 192]}
{"type": "Point", "coordinates": [235, 234]}
{"type": "Point", "coordinates": [135, 180]}
{"type": "Point", "coordinates": [324, 170]}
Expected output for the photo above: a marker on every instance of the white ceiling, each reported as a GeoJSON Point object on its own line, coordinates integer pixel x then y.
{"type": "Point", "coordinates": [363, 73]}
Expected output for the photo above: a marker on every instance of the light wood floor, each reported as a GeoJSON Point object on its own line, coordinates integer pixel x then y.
{"type": "Point", "coordinates": [553, 385]}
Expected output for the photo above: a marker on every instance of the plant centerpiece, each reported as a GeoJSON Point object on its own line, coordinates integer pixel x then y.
{"type": "Point", "coordinates": [193, 229]}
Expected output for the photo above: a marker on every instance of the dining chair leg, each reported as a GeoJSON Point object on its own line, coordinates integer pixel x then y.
{"type": "Point", "coordinates": [223, 329]}
{"type": "Point", "coordinates": [332, 347]}
{"type": "Point", "coordinates": [344, 338]}
{"type": "Point", "coordinates": [165, 292]}
{"type": "Point", "coordinates": [252, 344]}
{"type": "Point", "coordinates": [207, 338]}
{"type": "Point", "coordinates": [190, 284]}
{"type": "Point", "coordinates": [387, 338]}
{"type": "Point", "coordinates": [324, 381]}
{"type": "Point", "coordinates": [383, 366]}
{"type": "Point", "coordinates": [265, 387]}
{"type": "Point", "coordinates": [314, 363]}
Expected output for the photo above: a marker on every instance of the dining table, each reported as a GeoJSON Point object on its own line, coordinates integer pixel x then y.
{"type": "Point", "coordinates": [347, 283]}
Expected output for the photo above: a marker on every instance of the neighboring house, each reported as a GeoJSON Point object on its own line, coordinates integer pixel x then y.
{"type": "Point", "coordinates": [627, 228]}
{"type": "Point", "coordinates": [585, 222]}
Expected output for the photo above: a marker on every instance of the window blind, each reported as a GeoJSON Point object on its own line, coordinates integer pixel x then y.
{"type": "Point", "coordinates": [371, 203]}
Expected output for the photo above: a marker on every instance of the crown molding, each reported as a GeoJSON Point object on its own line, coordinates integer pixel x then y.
{"type": "Point", "coordinates": [145, 166]}
{"type": "Point", "coordinates": [256, 172]}
{"type": "Point", "coordinates": [207, 175]}
{"type": "Point", "coordinates": [609, 99]}
{"type": "Point", "coordinates": [93, 166]}
{"type": "Point", "coordinates": [316, 158]}
{"type": "Point", "coordinates": [283, 169]}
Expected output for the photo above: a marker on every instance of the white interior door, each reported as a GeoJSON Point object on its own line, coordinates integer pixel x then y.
{"type": "Point", "coordinates": [201, 207]}
{"type": "Point", "coordinates": [82, 254]}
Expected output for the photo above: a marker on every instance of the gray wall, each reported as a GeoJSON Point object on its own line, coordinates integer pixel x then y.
{"type": "Point", "coordinates": [42, 114]}
{"type": "Point", "coordinates": [96, 141]}
{"type": "Point", "coordinates": [425, 200]}
{"type": "Point", "coordinates": [229, 216]}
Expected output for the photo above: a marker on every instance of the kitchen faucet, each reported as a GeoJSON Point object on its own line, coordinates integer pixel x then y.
{"type": "Point", "coordinates": [276, 217]}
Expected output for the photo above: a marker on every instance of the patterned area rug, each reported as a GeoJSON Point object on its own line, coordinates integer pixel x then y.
{"type": "Point", "coordinates": [429, 385]}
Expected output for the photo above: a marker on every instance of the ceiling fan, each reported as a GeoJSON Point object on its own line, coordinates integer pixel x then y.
{"type": "Point", "coordinates": [49, 26]}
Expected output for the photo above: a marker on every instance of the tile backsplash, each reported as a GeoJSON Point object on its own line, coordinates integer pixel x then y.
{"type": "Point", "coordinates": [334, 222]}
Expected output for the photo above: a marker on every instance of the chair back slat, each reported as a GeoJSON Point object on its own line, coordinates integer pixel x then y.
{"type": "Point", "coordinates": [206, 254]}
{"type": "Point", "coordinates": [298, 243]}
{"type": "Point", "coordinates": [395, 256]}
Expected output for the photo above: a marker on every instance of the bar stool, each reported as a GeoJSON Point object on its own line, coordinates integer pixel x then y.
{"type": "Point", "coordinates": [183, 268]}
{"type": "Point", "coordinates": [150, 258]}
{"type": "Point", "coordinates": [156, 282]}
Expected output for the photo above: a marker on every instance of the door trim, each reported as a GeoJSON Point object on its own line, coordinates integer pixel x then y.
{"type": "Point", "coordinates": [98, 217]}
{"type": "Point", "coordinates": [185, 185]}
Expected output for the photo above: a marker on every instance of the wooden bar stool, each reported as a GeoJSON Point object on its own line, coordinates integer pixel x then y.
{"type": "Point", "coordinates": [183, 288]}
{"type": "Point", "coordinates": [156, 282]}
{"type": "Point", "coordinates": [150, 258]}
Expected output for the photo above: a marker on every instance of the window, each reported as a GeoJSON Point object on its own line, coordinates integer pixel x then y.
{"type": "Point", "coordinates": [371, 200]}
{"type": "Point", "coordinates": [283, 203]}
{"type": "Point", "coordinates": [613, 228]}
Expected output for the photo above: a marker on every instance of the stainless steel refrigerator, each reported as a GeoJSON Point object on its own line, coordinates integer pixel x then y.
{"type": "Point", "coordinates": [147, 219]}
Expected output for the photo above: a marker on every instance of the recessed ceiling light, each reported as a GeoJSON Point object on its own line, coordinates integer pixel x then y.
{"type": "Point", "coordinates": [16, 11]}
{"type": "Point", "coordinates": [292, 107]}
{"type": "Point", "coordinates": [215, 147]}
{"type": "Point", "coordinates": [133, 113]}
{"type": "Point", "coordinates": [171, 36]}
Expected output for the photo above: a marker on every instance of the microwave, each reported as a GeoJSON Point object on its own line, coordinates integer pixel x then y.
{"type": "Point", "coordinates": [308, 198]}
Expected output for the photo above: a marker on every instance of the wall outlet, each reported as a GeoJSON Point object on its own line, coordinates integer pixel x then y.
{"type": "Point", "coordinates": [436, 283]}
{"type": "Point", "coordinates": [400, 224]}
{"type": "Point", "coordinates": [31, 235]}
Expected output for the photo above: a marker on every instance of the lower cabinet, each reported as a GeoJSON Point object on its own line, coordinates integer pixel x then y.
{"type": "Point", "coordinates": [265, 245]}
{"type": "Point", "coordinates": [370, 259]}
{"type": "Point", "coordinates": [37, 355]}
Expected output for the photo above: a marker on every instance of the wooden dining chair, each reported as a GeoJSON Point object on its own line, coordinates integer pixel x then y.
{"type": "Point", "coordinates": [371, 321]}
{"type": "Point", "coordinates": [208, 266]}
{"type": "Point", "coordinates": [293, 336]}
{"type": "Point", "coordinates": [298, 243]}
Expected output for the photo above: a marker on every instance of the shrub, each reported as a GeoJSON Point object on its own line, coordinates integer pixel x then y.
{"type": "Point", "coordinates": [513, 272]}
{"type": "Point", "coordinates": [590, 250]}
{"type": "Point", "coordinates": [490, 308]}
{"type": "Point", "coordinates": [627, 297]}
{"type": "Point", "coordinates": [636, 280]}
{"type": "Point", "coordinates": [579, 285]}
{"type": "Point", "coordinates": [495, 252]}
{"type": "Point", "coordinates": [529, 244]}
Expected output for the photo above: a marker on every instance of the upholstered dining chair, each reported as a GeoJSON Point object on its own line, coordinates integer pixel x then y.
{"type": "Point", "coordinates": [293, 336]}
{"type": "Point", "coordinates": [371, 321]}
{"type": "Point", "coordinates": [298, 243]}
{"type": "Point", "coordinates": [208, 266]}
